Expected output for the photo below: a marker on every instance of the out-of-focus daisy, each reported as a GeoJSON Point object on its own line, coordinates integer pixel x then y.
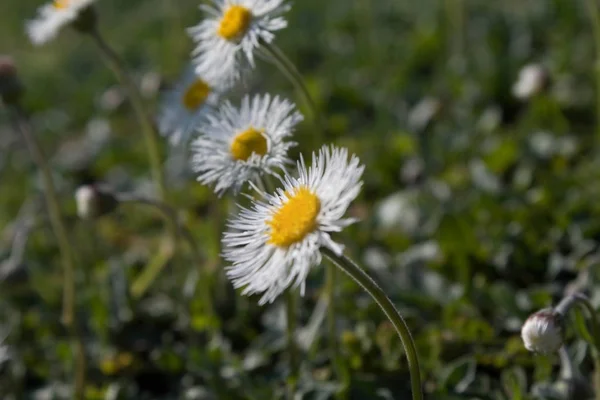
{"type": "Point", "coordinates": [533, 79]}
{"type": "Point", "coordinates": [273, 245]}
{"type": "Point", "coordinates": [236, 146]}
{"type": "Point", "coordinates": [185, 106]}
{"type": "Point", "coordinates": [51, 17]}
{"type": "Point", "coordinates": [231, 33]}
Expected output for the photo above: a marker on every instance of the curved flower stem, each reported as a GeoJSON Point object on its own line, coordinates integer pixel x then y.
{"type": "Point", "coordinates": [455, 15]}
{"type": "Point", "coordinates": [115, 63]}
{"type": "Point", "coordinates": [171, 215]}
{"type": "Point", "coordinates": [579, 299]}
{"type": "Point", "coordinates": [332, 335]}
{"type": "Point", "coordinates": [365, 281]}
{"type": "Point", "coordinates": [291, 307]}
{"type": "Point", "coordinates": [585, 303]}
{"type": "Point", "coordinates": [594, 14]}
{"type": "Point", "coordinates": [290, 71]}
{"type": "Point", "coordinates": [291, 323]}
{"type": "Point", "coordinates": [22, 125]}
{"type": "Point", "coordinates": [568, 369]}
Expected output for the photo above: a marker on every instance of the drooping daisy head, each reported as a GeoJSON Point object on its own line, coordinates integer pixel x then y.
{"type": "Point", "coordinates": [185, 106]}
{"type": "Point", "coordinates": [227, 38]}
{"type": "Point", "coordinates": [273, 245]}
{"type": "Point", "coordinates": [237, 146]}
{"type": "Point", "coordinates": [52, 17]}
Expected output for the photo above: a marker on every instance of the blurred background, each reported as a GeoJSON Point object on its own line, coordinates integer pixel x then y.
{"type": "Point", "coordinates": [480, 203]}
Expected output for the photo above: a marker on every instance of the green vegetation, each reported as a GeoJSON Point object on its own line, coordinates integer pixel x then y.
{"type": "Point", "coordinates": [477, 209]}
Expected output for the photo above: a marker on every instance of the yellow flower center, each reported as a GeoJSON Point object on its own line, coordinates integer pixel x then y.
{"type": "Point", "coordinates": [195, 95]}
{"type": "Point", "coordinates": [60, 4]}
{"type": "Point", "coordinates": [295, 219]}
{"type": "Point", "coordinates": [235, 22]}
{"type": "Point", "coordinates": [248, 142]}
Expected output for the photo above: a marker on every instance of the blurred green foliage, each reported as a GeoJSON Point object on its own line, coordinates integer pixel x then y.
{"type": "Point", "coordinates": [477, 209]}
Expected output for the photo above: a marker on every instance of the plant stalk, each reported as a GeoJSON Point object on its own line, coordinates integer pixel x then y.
{"type": "Point", "coordinates": [291, 308]}
{"type": "Point", "coordinates": [594, 14]}
{"type": "Point", "coordinates": [455, 15]}
{"type": "Point", "coordinates": [185, 234]}
{"type": "Point", "coordinates": [289, 70]}
{"type": "Point", "coordinates": [291, 322]}
{"type": "Point", "coordinates": [367, 283]}
{"type": "Point", "coordinates": [22, 125]}
{"type": "Point", "coordinates": [579, 299]}
{"type": "Point", "coordinates": [114, 62]}
{"type": "Point", "coordinates": [332, 334]}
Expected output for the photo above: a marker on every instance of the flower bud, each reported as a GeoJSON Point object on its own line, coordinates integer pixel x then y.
{"type": "Point", "coordinates": [533, 79]}
{"type": "Point", "coordinates": [93, 202]}
{"type": "Point", "coordinates": [543, 331]}
{"type": "Point", "coordinates": [10, 85]}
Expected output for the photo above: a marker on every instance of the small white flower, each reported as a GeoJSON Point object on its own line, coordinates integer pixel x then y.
{"type": "Point", "coordinates": [231, 33]}
{"type": "Point", "coordinates": [274, 244]}
{"type": "Point", "coordinates": [84, 199]}
{"type": "Point", "coordinates": [93, 202]}
{"type": "Point", "coordinates": [52, 17]}
{"type": "Point", "coordinates": [237, 146]}
{"type": "Point", "coordinates": [533, 78]}
{"type": "Point", "coordinates": [542, 332]}
{"type": "Point", "coordinates": [185, 105]}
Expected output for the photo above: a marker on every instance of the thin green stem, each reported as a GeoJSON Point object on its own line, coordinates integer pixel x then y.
{"type": "Point", "coordinates": [594, 14]}
{"type": "Point", "coordinates": [367, 35]}
{"type": "Point", "coordinates": [596, 378]}
{"type": "Point", "coordinates": [455, 22]}
{"type": "Point", "coordinates": [563, 308]}
{"type": "Point", "coordinates": [66, 250]}
{"type": "Point", "coordinates": [584, 302]}
{"type": "Point", "coordinates": [332, 335]}
{"type": "Point", "coordinates": [184, 233]}
{"type": "Point", "coordinates": [290, 71]}
{"type": "Point", "coordinates": [330, 273]}
{"type": "Point", "coordinates": [365, 281]}
{"type": "Point", "coordinates": [291, 307]}
{"type": "Point", "coordinates": [115, 63]}
{"type": "Point", "coordinates": [291, 325]}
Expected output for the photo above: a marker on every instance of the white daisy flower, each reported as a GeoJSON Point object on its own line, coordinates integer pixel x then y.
{"type": "Point", "coordinates": [236, 146]}
{"type": "Point", "coordinates": [185, 106]}
{"type": "Point", "coordinates": [232, 30]}
{"type": "Point", "coordinates": [52, 17]}
{"type": "Point", "coordinates": [275, 243]}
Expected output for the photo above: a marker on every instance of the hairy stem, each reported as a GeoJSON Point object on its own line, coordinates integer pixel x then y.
{"type": "Point", "coordinates": [367, 283]}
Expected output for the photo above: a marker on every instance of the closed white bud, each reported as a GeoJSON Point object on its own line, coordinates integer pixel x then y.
{"type": "Point", "coordinates": [93, 202]}
{"type": "Point", "coordinates": [533, 79]}
{"type": "Point", "coordinates": [543, 331]}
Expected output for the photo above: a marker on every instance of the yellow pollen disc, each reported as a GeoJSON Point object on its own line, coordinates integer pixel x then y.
{"type": "Point", "coordinates": [248, 142]}
{"type": "Point", "coordinates": [195, 95]}
{"type": "Point", "coordinates": [295, 219]}
{"type": "Point", "coordinates": [60, 4]}
{"type": "Point", "coordinates": [235, 22]}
